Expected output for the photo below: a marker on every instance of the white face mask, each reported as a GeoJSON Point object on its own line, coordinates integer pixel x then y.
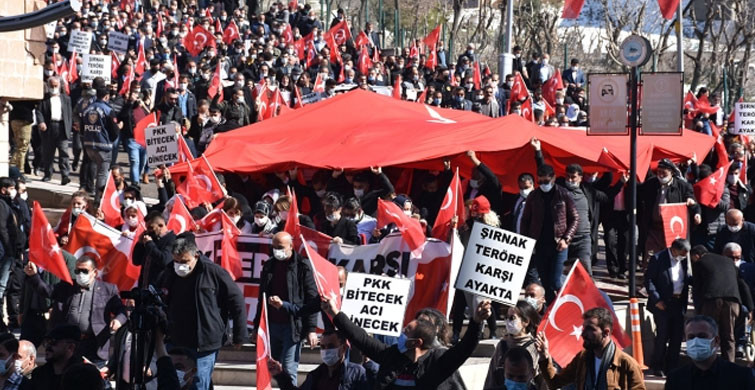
{"type": "Point", "coordinates": [734, 228]}
{"type": "Point", "coordinates": [181, 377]}
{"type": "Point", "coordinates": [664, 179]}
{"type": "Point", "coordinates": [513, 327]}
{"type": "Point", "coordinates": [279, 254]}
{"type": "Point", "coordinates": [333, 217]}
{"type": "Point", "coordinates": [320, 193]}
{"type": "Point", "coordinates": [358, 192]}
{"type": "Point", "coordinates": [330, 357]}
{"type": "Point", "coordinates": [18, 367]}
{"type": "Point", "coordinates": [128, 202]}
{"type": "Point", "coordinates": [525, 192]}
{"type": "Point", "coordinates": [76, 211]}
{"type": "Point", "coordinates": [182, 270]}
{"type": "Point", "coordinates": [737, 263]}
{"type": "Point", "coordinates": [260, 221]}
{"type": "Point", "coordinates": [24, 196]}
{"type": "Point", "coordinates": [132, 221]}
{"type": "Point", "coordinates": [532, 301]}
{"type": "Point", "coordinates": [12, 193]}
{"type": "Point", "coordinates": [236, 219]}
{"type": "Point", "coordinates": [82, 279]}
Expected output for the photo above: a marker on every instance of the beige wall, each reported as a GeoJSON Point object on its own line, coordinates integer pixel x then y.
{"type": "Point", "coordinates": [21, 54]}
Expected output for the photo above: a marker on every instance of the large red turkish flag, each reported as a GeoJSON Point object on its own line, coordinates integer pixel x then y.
{"type": "Point", "coordinates": [361, 40]}
{"type": "Point", "coordinates": [231, 33]}
{"type": "Point", "coordinates": [477, 75]}
{"type": "Point", "coordinates": [674, 219]}
{"type": "Point", "coordinates": [196, 40]}
{"type": "Point", "coordinates": [453, 205]}
{"type": "Point", "coordinates": [107, 247]}
{"type": "Point", "coordinates": [551, 86]}
{"type": "Point", "coordinates": [562, 323]}
{"type": "Point", "coordinates": [292, 220]}
{"type": "Point", "coordinates": [230, 259]}
{"type": "Point", "coordinates": [340, 32]}
{"type": "Point", "coordinates": [668, 8]}
{"type": "Point", "coordinates": [216, 87]}
{"type": "Point", "coordinates": [410, 228]}
{"type": "Point", "coordinates": [709, 191]}
{"type": "Point", "coordinates": [180, 219]}
{"type": "Point", "coordinates": [263, 349]}
{"type": "Point", "coordinates": [519, 89]}
{"type": "Point", "coordinates": [110, 204]}
{"type": "Point", "coordinates": [146, 122]}
{"type": "Point", "coordinates": [43, 247]}
{"type": "Point", "coordinates": [431, 40]}
{"type": "Point", "coordinates": [141, 60]}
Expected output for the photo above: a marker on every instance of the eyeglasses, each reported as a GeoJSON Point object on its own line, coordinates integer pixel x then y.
{"type": "Point", "coordinates": [81, 271]}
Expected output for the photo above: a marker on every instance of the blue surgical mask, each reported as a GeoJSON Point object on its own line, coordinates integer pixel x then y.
{"type": "Point", "coordinates": [513, 385]}
{"type": "Point", "coordinates": [700, 349]}
{"type": "Point", "coordinates": [402, 343]}
{"type": "Point", "coordinates": [547, 187]}
{"type": "Point", "coordinates": [436, 102]}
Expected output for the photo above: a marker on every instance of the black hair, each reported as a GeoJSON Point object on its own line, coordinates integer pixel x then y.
{"type": "Point", "coordinates": [441, 324]}
{"type": "Point", "coordinates": [526, 176]}
{"type": "Point", "coordinates": [339, 334]}
{"type": "Point", "coordinates": [352, 204]}
{"type": "Point", "coordinates": [574, 168]}
{"type": "Point", "coordinates": [545, 170]}
{"type": "Point", "coordinates": [518, 355]}
{"type": "Point", "coordinates": [529, 314]}
{"type": "Point", "coordinates": [425, 330]}
{"type": "Point", "coordinates": [698, 250]}
{"type": "Point", "coordinates": [605, 319]}
{"type": "Point", "coordinates": [332, 199]}
{"type": "Point", "coordinates": [6, 182]}
{"type": "Point", "coordinates": [704, 171]}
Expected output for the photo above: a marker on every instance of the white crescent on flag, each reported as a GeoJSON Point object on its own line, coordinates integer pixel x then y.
{"type": "Point", "coordinates": [437, 118]}
{"type": "Point", "coordinates": [564, 299]}
{"type": "Point", "coordinates": [450, 197]}
{"type": "Point", "coordinates": [673, 222]}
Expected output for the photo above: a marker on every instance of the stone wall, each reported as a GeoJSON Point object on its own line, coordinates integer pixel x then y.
{"type": "Point", "coordinates": [21, 54]}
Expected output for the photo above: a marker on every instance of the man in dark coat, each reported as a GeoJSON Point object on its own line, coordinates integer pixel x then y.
{"type": "Point", "coordinates": [54, 120]}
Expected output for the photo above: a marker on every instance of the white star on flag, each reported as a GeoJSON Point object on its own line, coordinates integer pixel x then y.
{"type": "Point", "coordinates": [577, 332]}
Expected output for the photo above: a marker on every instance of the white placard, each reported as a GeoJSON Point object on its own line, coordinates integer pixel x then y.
{"type": "Point", "coordinates": [495, 263]}
{"type": "Point", "coordinates": [376, 303]}
{"type": "Point", "coordinates": [162, 145]}
{"type": "Point", "coordinates": [96, 66]}
{"type": "Point", "coordinates": [117, 42]}
{"type": "Point", "coordinates": [744, 120]}
{"type": "Point", "coordinates": [662, 103]}
{"type": "Point", "coordinates": [608, 104]}
{"type": "Point", "coordinates": [80, 42]}
{"type": "Point", "coordinates": [50, 29]}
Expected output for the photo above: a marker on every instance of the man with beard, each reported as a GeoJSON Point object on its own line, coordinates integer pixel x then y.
{"type": "Point", "coordinates": [600, 365]}
{"type": "Point", "coordinates": [59, 355]}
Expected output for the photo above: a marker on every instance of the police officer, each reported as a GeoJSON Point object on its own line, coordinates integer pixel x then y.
{"type": "Point", "coordinates": [98, 133]}
{"type": "Point", "coordinates": [88, 96]}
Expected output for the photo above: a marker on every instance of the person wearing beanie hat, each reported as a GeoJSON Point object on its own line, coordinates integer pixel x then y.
{"type": "Point", "coordinates": [263, 224]}
{"type": "Point", "coordinates": [667, 186]}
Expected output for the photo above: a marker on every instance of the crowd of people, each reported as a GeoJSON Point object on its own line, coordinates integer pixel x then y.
{"type": "Point", "coordinates": [287, 55]}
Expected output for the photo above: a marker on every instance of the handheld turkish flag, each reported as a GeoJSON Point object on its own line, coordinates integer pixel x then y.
{"type": "Point", "coordinates": [311, 54]}
{"type": "Point", "coordinates": [184, 153]}
{"type": "Point", "coordinates": [432, 39]}
{"type": "Point", "coordinates": [190, 188]}
{"type": "Point", "coordinates": [325, 274]}
{"type": "Point", "coordinates": [231, 33]}
{"type": "Point", "coordinates": [159, 29]}
{"type": "Point", "coordinates": [116, 63]}
{"type": "Point", "coordinates": [562, 323]}
{"type": "Point", "coordinates": [674, 219]}
{"type": "Point", "coordinates": [410, 228]}
{"type": "Point", "coordinates": [146, 122]}
{"type": "Point", "coordinates": [335, 53]}
{"type": "Point", "coordinates": [197, 40]}
{"type": "Point", "coordinates": [110, 203]}
{"type": "Point", "coordinates": [519, 90]}
{"type": "Point", "coordinates": [43, 248]}
{"type": "Point", "coordinates": [298, 103]}
{"type": "Point", "coordinates": [668, 8]}
{"type": "Point", "coordinates": [216, 88]}
{"type": "Point", "coordinates": [572, 9]}
{"type": "Point", "coordinates": [212, 190]}
{"type": "Point", "coordinates": [73, 70]}
{"type": "Point", "coordinates": [709, 190]}
{"type": "Point", "coordinates": [141, 60]}
{"type": "Point", "coordinates": [477, 75]}
{"type": "Point", "coordinates": [230, 259]}
{"type": "Point", "coordinates": [340, 32]}
{"type": "Point", "coordinates": [319, 241]}
{"type": "Point", "coordinates": [301, 49]}
{"type": "Point", "coordinates": [526, 110]}
{"type": "Point", "coordinates": [422, 97]}
{"type": "Point", "coordinates": [263, 348]}
{"type": "Point", "coordinates": [107, 247]}
{"type": "Point", "coordinates": [127, 79]}
{"type": "Point", "coordinates": [551, 86]}
{"type": "Point", "coordinates": [292, 220]}
{"type": "Point", "coordinates": [703, 105]}
{"type": "Point", "coordinates": [319, 85]}
{"type": "Point", "coordinates": [453, 206]}
{"type": "Point", "coordinates": [180, 218]}
{"type": "Point", "coordinates": [287, 36]}
{"type": "Point", "coordinates": [362, 40]}
{"type": "Point", "coordinates": [364, 61]}
{"type": "Point", "coordinates": [397, 88]}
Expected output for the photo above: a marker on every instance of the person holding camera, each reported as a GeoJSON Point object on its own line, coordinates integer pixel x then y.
{"type": "Point", "coordinates": [200, 298]}
{"type": "Point", "coordinates": [154, 249]}
{"type": "Point", "coordinates": [85, 304]}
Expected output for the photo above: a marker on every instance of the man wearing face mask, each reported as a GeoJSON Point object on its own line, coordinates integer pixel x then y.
{"type": "Point", "coordinates": [484, 182]}
{"type": "Point", "coordinates": [201, 297]}
{"type": "Point", "coordinates": [335, 373]}
{"type": "Point", "coordinates": [12, 237]}
{"type": "Point", "coordinates": [600, 365]}
{"type": "Point", "coordinates": [366, 224]}
{"type": "Point", "coordinates": [9, 377]}
{"type": "Point", "coordinates": [667, 281]}
{"type": "Point", "coordinates": [343, 230]}
{"type": "Point", "coordinates": [707, 370]}
{"type": "Point", "coordinates": [235, 110]}
{"type": "Point", "coordinates": [412, 362]}
{"type": "Point", "coordinates": [154, 247]}
{"type": "Point", "coordinates": [737, 230]}
{"type": "Point", "coordinates": [263, 224]}
{"type": "Point", "coordinates": [551, 218]}
{"type": "Point", "coordinates": [666, 187]}
{"type": "Point", "coordinates": [54, 120]}
{"type": "Point", "coordinates": [286, 279]}
{"type": "Point", "coordinates": [360, 187]}
{"type": "Point", "coordinates": [98, 132]}
{"type": "Point", "coordinates": [87, 304]}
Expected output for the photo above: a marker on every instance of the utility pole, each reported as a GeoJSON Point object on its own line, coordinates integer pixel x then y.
{"type": "Point", "coordinates": [680, 40]}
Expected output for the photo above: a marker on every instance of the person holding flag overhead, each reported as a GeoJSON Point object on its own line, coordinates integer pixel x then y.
{"type": "Point", "coordinates": [287, 281]}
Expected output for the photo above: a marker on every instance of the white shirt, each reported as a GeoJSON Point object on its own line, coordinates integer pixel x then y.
{"type": "Point", "coordinates": [677, 274]}
{"type": "Point", "coordinates": [56, 112]}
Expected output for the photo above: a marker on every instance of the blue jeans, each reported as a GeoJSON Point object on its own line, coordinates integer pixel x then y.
{"type": "Point", "coordinates": [137, 159]}
{"type": "Point", "coordinates": [205, 365]}
{"type": "Point", "coordinates": [284, 349]}
{"type": "Point", "coordinates": [550, 267]}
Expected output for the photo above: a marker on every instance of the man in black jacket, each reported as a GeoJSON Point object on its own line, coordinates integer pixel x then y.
{"type": "Point", "coordinates": [60, 354]}
{"type": "Point", "coordinates": [707, 370]}
{"type": "Point", "coordinates": [362, 190]}
{"type": "Point", "coordinates": [413, 361]}
{"type": "Point", "coordinates": [54, 120]}
{"type": "Point", "coordinates": [737, 230]}
{"type": "Point", "coordinates": [287, 282]}
{"type": "Point", "coordinates": [716, 291]}
{"type": "Point", "coordinates": [484, 182]}
{"type": "Point", "coordinates": [154, 251]}
{"type": "Point", "coordinates": [201, 298]}
{"type": "Point", "coordinates": [11, 237]}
